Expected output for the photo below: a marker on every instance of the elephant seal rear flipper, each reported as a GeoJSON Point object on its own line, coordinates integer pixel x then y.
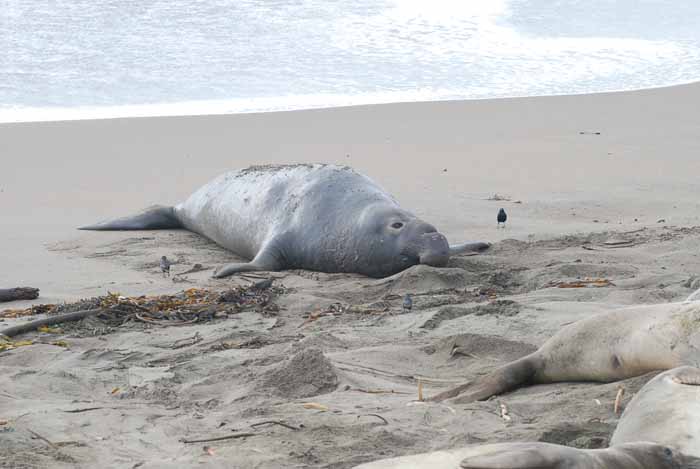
{"type": "Point", "coordinates": [156, 217]}
{"type": "Point", "coordinates": [506, 378]}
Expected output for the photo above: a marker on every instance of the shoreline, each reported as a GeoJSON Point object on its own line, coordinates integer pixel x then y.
{"type": "Point", "coordinates": [96, 111]}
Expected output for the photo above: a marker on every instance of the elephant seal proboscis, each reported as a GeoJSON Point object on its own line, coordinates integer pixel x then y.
{"type": "Point", "coordinates": [607, 347]}
{"type": "Point", "coordinates": [310, 216]}
{"type": "Point", "coordinates": [660, 429]}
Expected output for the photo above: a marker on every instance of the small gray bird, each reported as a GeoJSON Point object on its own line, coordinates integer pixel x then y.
{"type": "Point", "coordinates": [502, 217]}
{"type": "Point", "coordinates": [407, 303]}
{"type": "Point", "coordinates": [165, 266]}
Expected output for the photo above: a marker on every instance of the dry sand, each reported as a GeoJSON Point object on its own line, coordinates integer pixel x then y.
{"type": "Point", "coordinates": [636, 180]}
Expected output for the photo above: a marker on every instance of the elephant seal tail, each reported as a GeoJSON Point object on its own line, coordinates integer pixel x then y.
{"type": "Point", "coordinates": [156, 217]}
{"type": "Point", "coordinates": [508, 377]}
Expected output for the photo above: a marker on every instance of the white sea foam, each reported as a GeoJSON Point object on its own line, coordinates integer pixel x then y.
{"type": "Point", "coordinates": [78, 59]}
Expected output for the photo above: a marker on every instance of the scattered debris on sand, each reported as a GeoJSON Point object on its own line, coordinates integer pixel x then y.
{"type": "Point", "coordinates": [113, 310]}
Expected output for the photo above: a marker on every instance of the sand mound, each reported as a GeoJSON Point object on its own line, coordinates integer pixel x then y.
{"type": "Point", "coordinates": [496, 308]}
{"type": "Point", "coordinates": [323, 341]}
{"type": "Point", "coordinates": [479, 346]}
{"type": "Point", "coordinates": [308, 373]}
{"type": "Point", "coordinates": [423, 278]}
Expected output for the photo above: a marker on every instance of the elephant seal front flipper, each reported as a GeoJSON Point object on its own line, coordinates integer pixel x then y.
{"type": "Point", "coordinates": [268, 259]}
{"type": "Point", "coordinates": [456, 249]}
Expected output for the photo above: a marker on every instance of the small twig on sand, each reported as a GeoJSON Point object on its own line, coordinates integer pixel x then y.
{"type": "Point", "coordinates": [50, 321]}
{"type": "Point", "coordinates": [218, 438]}
{"type": "Point", "coordinates": [374, 415]}
{"type": "Point", "coordinates": [164, 323]}
{"type": "Point", "coordinates": [617, 408]}
{"type": "Point", "coordinates": [193, 269]}
{"type": "Point", "coordinates": [276, 422]}
{"type": "Point", "coordinates": [182, 343]}
{"type": "Point", "coordinates": [78, 444]}
{"type": "Point", "coordinates": [36, 435]}
{"type": "Point", "coordinates": [379, 391]}
{"type": "Point", "coordinates": [420, 390]}
{"type": "Point", "coordinates": [86, 409]}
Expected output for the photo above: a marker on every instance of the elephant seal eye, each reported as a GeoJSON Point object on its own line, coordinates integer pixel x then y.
{"type": "Point", "coordinates": [668, 452]}
{"type": "Point", "coordinates": [397, 225]}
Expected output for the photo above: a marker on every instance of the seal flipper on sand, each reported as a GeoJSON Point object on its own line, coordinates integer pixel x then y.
{"type": "Point", "coordinates": [456, 249]}
{"type": "Point", "coordinates": [688, 375]}
{"type": "Point", "coordinates": [156, 217]}
{"type": "Point", "coordinates": [506, 378]}
{"type": "Point", "coordinates": [268, 259]}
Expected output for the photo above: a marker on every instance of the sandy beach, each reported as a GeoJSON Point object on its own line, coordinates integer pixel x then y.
{"type": "Point", "coordinates": [595, 186]}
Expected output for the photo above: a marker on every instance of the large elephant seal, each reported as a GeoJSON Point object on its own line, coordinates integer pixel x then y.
{"type": "Point", "coordinates": [666, 411]}
{"type": "Point", "coordinates": [660, 429]}
{"type": "Point", "coordinates": [607, 347]}
{"type": "Point", "coordinates": [309, 216]}
{"type": "Point", "coordinates": [641, 455]}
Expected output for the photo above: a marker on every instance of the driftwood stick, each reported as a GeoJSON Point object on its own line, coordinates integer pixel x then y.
{"type": "Point", "coordinates": [276, 422]}
{"type": "Point", "coordinates": [49, 321]}
{"type": "Point", "coordinates": [36, 435]}
{"type": "Point", "coordinates": [86, 409]}
{"type": "Point", "coordinates": [219, 438]}
{"type": "Point", "coordinates": [374, 415]}
{"type": "Point", "coordinates": [19, 293]}
{"type": "Point", "coordinates": [617, 407]}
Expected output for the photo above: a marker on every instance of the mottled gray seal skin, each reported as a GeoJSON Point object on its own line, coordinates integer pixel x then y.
{"type": "Point", "coordinates": [607, 347]}
{"type": "Point", "coordinates": [318, 217]}
{"type": "Point", "coordinates": [640, 455]}
{"type": "Point", "coordinates": [666, 411]}
{"type": "Point", "coordinates": [660, 429]}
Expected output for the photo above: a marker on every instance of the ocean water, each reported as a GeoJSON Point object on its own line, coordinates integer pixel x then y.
{"type": "Point", "coordinates": [72, 59]}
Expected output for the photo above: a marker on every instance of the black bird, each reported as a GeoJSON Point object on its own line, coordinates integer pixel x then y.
{"type": "Point", "coordinates": [407, 303]}
{"type": "Point", "coordinates": [502, 217]}
{"type": "Point", "coordinates": [165, 266]}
